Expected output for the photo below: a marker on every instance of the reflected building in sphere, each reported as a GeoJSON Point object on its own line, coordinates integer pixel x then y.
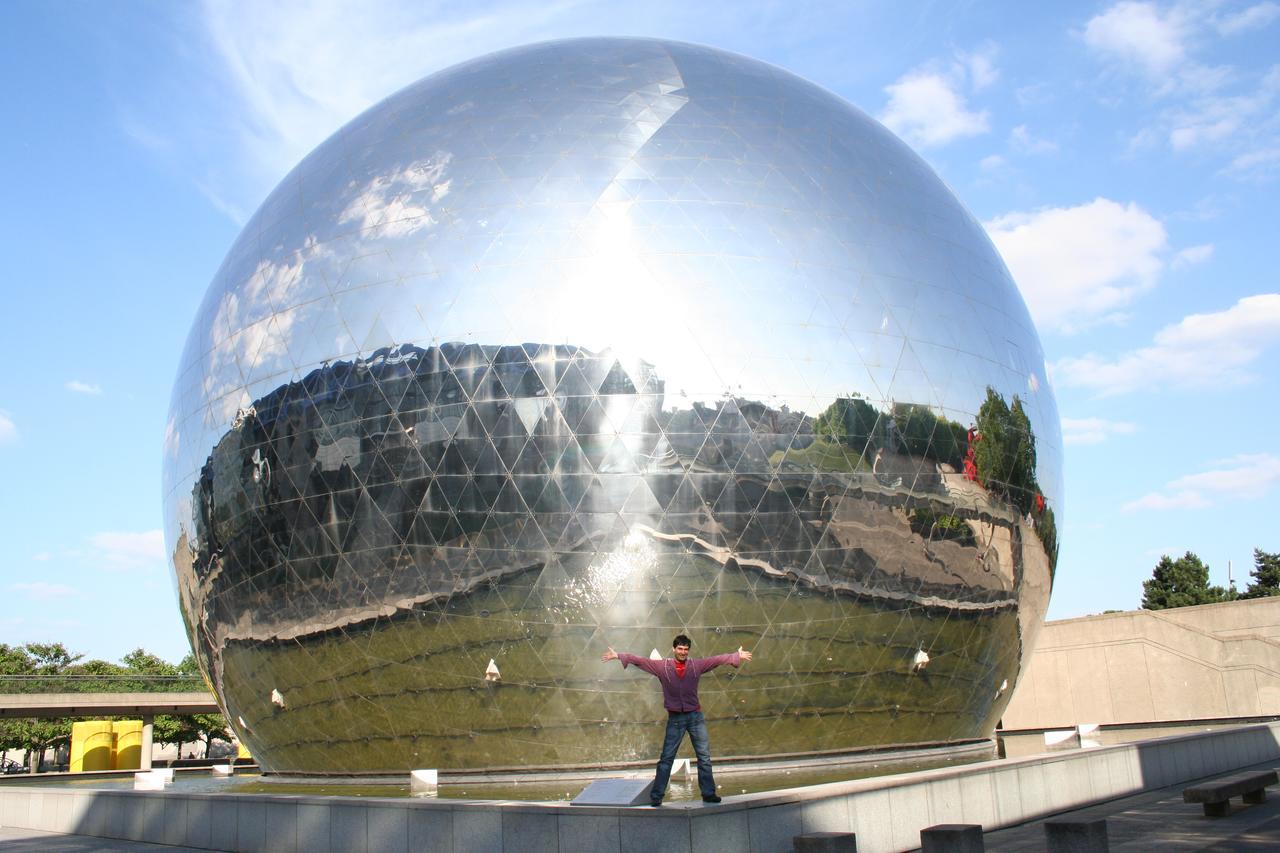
{"type": "Point", "coordinates": [591, 343]}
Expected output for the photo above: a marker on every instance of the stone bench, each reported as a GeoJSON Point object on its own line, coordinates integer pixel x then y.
{"type": "Point", "coordinates": [1216, 794]}
{"type": "Point", "coordinates": [952, 838]}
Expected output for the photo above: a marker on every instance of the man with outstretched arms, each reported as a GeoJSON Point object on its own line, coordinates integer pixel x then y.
{"type": "Point", "coordinates": [679, 677]}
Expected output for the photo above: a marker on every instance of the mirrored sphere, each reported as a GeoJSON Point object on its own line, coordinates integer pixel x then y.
{"type": "Point", "coordinates": [586, 344]}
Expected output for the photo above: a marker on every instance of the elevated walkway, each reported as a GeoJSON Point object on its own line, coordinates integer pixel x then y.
{"type": "Point", "coordinates": [16, 705]}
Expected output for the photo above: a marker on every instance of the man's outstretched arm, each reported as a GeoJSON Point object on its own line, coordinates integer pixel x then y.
{"type": "Point", "coordinates": [650, 666]}
{"type": "Point", "coordinates": [734, 659]}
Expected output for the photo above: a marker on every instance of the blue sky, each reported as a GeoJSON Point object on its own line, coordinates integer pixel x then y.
{"type": "Point", "coordinates": [1125, 158]}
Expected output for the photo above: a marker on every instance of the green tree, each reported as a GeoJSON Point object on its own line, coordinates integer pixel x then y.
{"type": "Point", "coordinates": [1047, 530]}
{"type": "Point", "coordinates": [925, 434]}
{"type": "Point", "coordinates": [1181, 583]}
{"type": "Point", "coordinates": [14, 660]}
{"type": "Point", "coordinates": [208, 727]}
{"type": "Point", "coordinates": [183, 729]}
{"type": "Point", "coordinates": [50, 658]}
{"type": "Point", "coordinates": [851, 421]}
{"type": "Point", "coordinates": [1265, 574]}
{"type": "Point", "coordinates": [1006, 454]}
{"type": "Point", "coordinates": [143, 662]}
{"type": "Point", "coordinates": [33, 736]}
{"type": "Point", "coordinates": [106, 678]}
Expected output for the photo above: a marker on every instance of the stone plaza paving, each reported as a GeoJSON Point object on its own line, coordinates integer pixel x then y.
{"type": "Point", "coordinates": [1160, 820]}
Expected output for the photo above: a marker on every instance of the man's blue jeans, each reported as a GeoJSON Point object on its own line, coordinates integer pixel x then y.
{"type": "Point", "coordinates": [677, 724]}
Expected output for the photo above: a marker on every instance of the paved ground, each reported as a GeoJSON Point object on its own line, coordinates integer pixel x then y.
{"type": "Point", "coordinates": [1160, 820]}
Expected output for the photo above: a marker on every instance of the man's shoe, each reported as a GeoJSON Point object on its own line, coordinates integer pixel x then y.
{"type": "Point", "coordinates": [711, 799]}
{"type": "Point", "coordinates": [656, 803]}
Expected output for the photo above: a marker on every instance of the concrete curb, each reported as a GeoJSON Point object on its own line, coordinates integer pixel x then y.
{"type": "Point", "coordinates": [887, 813]}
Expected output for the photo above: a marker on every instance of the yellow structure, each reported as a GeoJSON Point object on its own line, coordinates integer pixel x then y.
{"type": "Point", "coordinates": [128, 745]}
{"type": "Point", "coordinates": [92, 745]}
{"type": "Point", "coordinates": [106, 745]}
{"type": "Point", "coordinates": [242, 751]}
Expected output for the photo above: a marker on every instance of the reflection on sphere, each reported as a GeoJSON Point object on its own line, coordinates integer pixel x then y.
{"type": "Point", "coordinates": [590, 343]}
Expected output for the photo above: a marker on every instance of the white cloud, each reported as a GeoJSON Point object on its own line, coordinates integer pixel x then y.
{"type": "Point", "coordinates": [1033, 94]}
{"type": "Point", "coordinates": [991, 163]}
{"type": "Point", "coordinates": [927, 110]}
{"type": "Point", "coordinates": [122, 550]}
{"type": "Point", "coordinates": [1141, 34]}
{"type": "Point", "coordinates": [172, 438]}
{"type": "Point", "coordinates": [8, 429]}
{"type": "Point", "coordinates": [1093, 430]}
{"type": "Point", "coordinates": [1203, 350]}
{"type": "Point", "coordinates": [1259, 163]}
{"type": "Point", "coordinates": [1193, 255]}
{"type": "Point", "coordinates": [1242, 477]}
{"type": "Point", "coordinates": [1145, 138]}
{"type": "Point", "coordinates": [1255, 17]}
{"type": "Point", "coordinates": [1156, 500]}
{"type": "Point", "coordinates": [251, 327]}
{"type": "Point", "coordinates": [84, 388]}
{"type": "Point", "coordinates": [1077, 265]}
{"type": "Point", "coordinates": [42, 590]}
{"type": "Point", "coordinates": [1205, 209]}
{"type": "Point", "coordinates": [927, 105]}
{"type": "Point", "coordinates": [1021, 140]}
{"type": "Point", "coordinates": [398, 204]}
{"type": "Point", "coordinates": [1187, 136]}
{"type": "Point", "coordinates": [1212, 119]}
{"type": "Point", "coordinates": [42, 557]}
{"type": "Point", "coordinates": [143, 135]}
{"type": "Point", "coordinates": [981, 66]}
{"type": "Point", "coordinates": [233, 210]}
{"type": "Point", "coordinates": [296, 70]}
{"type": "Point", "coordinates": [1158, 42]}
{"type": "Point", "coordinates": [1194, 77]}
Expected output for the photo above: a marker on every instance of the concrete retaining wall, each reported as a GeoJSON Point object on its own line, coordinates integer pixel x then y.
{"type": "Point", "coordinates": [887, 813]}
{"type": "Point", "coordinates": [1216, 661]}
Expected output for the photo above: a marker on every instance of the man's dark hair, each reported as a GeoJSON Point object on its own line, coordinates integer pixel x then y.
{"type": "Point", "coordinates": [681, 640]}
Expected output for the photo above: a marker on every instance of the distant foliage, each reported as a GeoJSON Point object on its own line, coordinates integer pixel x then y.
{"type": "Point", "coordinates": [851, 421]}
{"type": "Point", "coordinates": [1265, 574]}
{"type": "Point", "coordinates": [925, 434]}
{"type": "Point", "coordinates": [34, 659]}
{"type": "Point", "coordinates": [1181, 583]}
{"type": "Point", "coordinates": [863, 428]}
{"type": "Point", "coordinates": [50, 661]}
